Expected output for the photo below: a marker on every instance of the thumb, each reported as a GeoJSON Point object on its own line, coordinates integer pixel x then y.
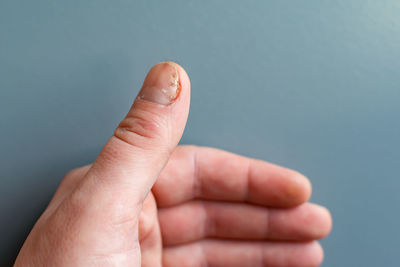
{"type": "Point", "coordinates": [134, 156]}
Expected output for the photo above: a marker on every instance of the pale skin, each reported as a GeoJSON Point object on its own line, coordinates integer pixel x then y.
{"type": "Point", "coordinates": [146, 202]}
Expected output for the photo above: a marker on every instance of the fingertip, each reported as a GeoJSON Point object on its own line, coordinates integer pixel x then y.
{"type": "Point", "coordinates": [325, 219]}
{"type": "Point", "coordinates": [310, 254]}
{"type": "Point", "coordinates": [314, 221]}
{"type": "Point", "coordinates": [182, 102]}
{"type": "Point", "coordinates": [298, 188]}
{"type": "Point", "coordinates": [307, 187]}
{"type": "Point", "coordinates": [183, 76]}
{"type": "Point", "coordinates": [316, 253]}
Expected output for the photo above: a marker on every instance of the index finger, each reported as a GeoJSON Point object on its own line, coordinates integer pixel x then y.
{"type": "Point", "coordinates": [212, 174]}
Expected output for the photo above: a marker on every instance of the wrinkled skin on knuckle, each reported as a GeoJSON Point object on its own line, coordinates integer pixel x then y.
{"type": "Point", "coordinates": [143, 130]}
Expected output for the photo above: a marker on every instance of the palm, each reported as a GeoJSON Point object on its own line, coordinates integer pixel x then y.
{"type": "Point", "coordinates": [218, 209]}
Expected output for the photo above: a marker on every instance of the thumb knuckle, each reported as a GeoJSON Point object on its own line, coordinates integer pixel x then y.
{"type": "Point", "coordinates": [141, 129]}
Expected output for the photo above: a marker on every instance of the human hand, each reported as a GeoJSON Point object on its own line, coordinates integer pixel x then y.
{"type": "Point", "coordinates": [208, 207]}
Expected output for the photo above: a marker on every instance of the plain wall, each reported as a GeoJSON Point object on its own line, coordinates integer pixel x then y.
{"type": "Point", "coordinates": [311, 85]}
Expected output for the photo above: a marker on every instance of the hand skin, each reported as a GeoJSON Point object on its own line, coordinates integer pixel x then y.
{"type": "Point", "coordinates": [146, 202]}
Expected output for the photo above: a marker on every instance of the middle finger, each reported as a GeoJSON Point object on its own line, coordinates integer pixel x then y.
{"type": "Point", "coordinates": [196, 220]}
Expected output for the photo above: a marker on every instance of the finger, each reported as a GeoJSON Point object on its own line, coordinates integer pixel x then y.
{"type": "Point", "coordinates": [217, 253]}
{"type": "Point", "coordinates": [129, 163]}
{"type": "Point", "coordinates": [207, 173]}
{"type": "Point", "coordinates": [143, 141]}
{"type": "Point", "coordinates": [197, 220]}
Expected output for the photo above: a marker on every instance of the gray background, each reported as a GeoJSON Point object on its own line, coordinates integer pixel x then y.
{"type": "Point", "coordinates": [312, 85]}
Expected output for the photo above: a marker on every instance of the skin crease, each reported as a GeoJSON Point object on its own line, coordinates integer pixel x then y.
{"type": "Point", "coordinates": [193, 206]}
